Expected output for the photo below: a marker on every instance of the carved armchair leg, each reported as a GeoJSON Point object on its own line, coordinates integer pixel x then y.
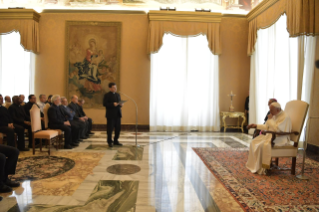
{"type": "Point", "coordinates": [277, 161]}
{"type": "Point", "coordinates": [293, 166]}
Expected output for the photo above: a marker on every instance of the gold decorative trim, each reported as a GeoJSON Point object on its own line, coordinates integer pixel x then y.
{"type": "Point", "coordinates": [260, 8]}
{"type": "Point", "coordinates": [19, 14]}
{"type": "Point", "coordinates": [126, 12]}
{"type": "Point", "coordinates": [185, 16]}
{"type": "Point", "coordinates": [234, 16]}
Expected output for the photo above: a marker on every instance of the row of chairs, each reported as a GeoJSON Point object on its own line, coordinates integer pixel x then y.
{"type": "Point", "coordinates": [52, 136]}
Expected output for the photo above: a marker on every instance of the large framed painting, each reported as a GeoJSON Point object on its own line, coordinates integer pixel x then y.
{"type": "Point", "coordinates": [92, 59]}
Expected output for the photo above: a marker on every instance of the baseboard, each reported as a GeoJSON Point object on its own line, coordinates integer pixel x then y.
{"type": "Point", "coordinates": [124, 127]}
{"type": "Point", "coordinates": [312, 148]}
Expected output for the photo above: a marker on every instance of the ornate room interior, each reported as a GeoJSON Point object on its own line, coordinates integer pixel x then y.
{"type": "Point", "coordinates": [194, 79]}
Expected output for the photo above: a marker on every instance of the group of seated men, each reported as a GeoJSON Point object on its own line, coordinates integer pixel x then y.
{"type": "Point", "coordinates": [70, 118]}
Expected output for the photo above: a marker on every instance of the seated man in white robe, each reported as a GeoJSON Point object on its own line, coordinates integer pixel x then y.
{"type": "Point", "coordinates": [259, 158]}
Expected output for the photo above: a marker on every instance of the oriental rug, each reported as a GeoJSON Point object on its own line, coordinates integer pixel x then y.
{"type": "Point", "coordinates": [280, 191]}
{"type": "Point", "coordinates": [42, 167]}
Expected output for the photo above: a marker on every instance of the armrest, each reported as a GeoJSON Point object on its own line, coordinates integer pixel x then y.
{"type": "Point", "coordinates": [280, 133]}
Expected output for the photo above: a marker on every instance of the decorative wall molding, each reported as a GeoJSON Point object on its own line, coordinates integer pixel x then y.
{"type": "Point", "coordinates": [234, 16]}
{"type": "Point", "coordinates": [185, 16]}
{"type": "Point", "coordinates": [125, 12]}
{"type": "Point", "coordinates": [19, 14]}
{"type": "Point", "coordinates": [260, 8]}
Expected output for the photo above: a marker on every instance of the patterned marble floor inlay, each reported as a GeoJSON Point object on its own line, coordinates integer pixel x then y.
{"type": "Point", "coordinates": [126, 152]}
{"type": "Point", "coordinates": [41, 167]}
{"type": "Point", "coordinates": [108, 196]}
{"type": "Point", "coordinates": [164, 175]}
{"type": "Point", "coordinates": [123, 169]}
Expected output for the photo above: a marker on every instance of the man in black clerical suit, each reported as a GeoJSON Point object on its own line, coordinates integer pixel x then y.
{"type": "Point", "coordinates": [57, 120]}
{"type": "Point", "coordinates": [8, 163]}
{"type": "Point", "coordinates": [79, 116]}
{"type": "Point", "coordinates": [19, 116]}
{"type": "Point", "coordinates": [81, 113]}
{"type": "Point", "coordinates": [9, 128]}
{"type": "Point", "coordinates": [76, 126]}
{"type": "Point", "coordinates": [113, 114]}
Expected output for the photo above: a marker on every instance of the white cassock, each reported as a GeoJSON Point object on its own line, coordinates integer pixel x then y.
{"type": "Point", "coordinates": [259, 157]}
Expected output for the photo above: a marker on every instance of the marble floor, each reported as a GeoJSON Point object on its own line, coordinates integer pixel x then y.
{"type": "Point", "coordinates": [167, 176]}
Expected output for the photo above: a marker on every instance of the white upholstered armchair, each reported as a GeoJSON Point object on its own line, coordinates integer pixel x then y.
{"type": "Point", "coordinates": [297, 111]}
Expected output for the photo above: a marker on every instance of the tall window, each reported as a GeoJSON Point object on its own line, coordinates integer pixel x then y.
{"type": "Point", "coordinates": [16, 66]}
{"type": "Point", "coordinates": [184, 92]}
{"type": "Point", "coordinates": [274, 69]}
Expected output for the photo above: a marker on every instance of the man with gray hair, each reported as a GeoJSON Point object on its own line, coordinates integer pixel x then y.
{"type": "Point", "coordinates": [259, 158]}
{"type": "Point", "coordinates": [76, 125]}
{"type": "Point", "coordinates": [57, 120]}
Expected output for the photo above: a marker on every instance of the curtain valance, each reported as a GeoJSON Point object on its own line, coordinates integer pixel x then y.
{"type": "Point", "coordinates": [301, 18]}
{"type": "Point", "coordinates": [24, 21]}
{"type": "Point", "coordinates": [184, 24]}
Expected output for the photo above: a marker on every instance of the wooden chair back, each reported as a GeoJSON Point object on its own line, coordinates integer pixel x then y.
{"type": "Point", "coordinates": [45, 113]}
{"type": "Point", "coordinates": [35, 118]}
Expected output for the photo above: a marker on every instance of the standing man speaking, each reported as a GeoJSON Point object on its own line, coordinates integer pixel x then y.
{"type": "Point", "coordinates": [112, 103]}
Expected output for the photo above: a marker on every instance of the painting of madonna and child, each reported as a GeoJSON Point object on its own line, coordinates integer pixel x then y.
{"type": "Point", "coordinates": [93, 59]}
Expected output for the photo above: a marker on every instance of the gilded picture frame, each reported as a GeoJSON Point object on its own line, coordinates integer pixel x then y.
{"type": "Point", "coordinates": [92, 59]}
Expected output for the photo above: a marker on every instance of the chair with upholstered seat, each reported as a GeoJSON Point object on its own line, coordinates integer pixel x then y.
{"type": "Point", "coordinates": [297, 111]}
{"type": "Point", "coordinates": [46, 124]}
{"type": "Point", "coordinates": [37, 132]}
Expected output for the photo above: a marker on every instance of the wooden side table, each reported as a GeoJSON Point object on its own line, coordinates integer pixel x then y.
{"type": "Point", "coordinates": [225, 114]}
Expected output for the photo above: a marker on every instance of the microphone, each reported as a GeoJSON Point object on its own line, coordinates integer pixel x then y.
{"type": "Point", "coordinates": [136, 115]}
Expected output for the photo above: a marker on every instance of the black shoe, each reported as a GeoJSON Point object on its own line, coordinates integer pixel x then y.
{"type": "Point", "coordinates": [118, 144]}
{"type": "Point", "coordinates": [74, 144]}
{"type": "Point", "coordinates": [110, 144]}
{"type": "Point", "coordinates": [5, 189]}
{"type": "Point", "coordinates": [84, 137]}
{"type": "Point", "coordinates": [68, 147]}
{"type": "Point", "coordinates": [80, 140]}
{"type": "Point", "coordinates": [91, 133]}
{"type": "Point", "coordinates": [11, 183]}
{"type": "Point", "coordinates": [1, 199]}
{"type": "Point", "coordinates": [23, 149]}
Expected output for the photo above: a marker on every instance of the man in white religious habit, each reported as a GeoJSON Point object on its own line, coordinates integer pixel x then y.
{"type": "Point", "coordinates": [259, 157]}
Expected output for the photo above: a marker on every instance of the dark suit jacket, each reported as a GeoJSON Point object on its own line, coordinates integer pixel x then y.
{"type": "Point", "coordinates": [81, 111]}
{"type": "Point", "coordinates": [18, 114]}
{"type": "Point", "coordinates": [108, 103]}
{"type": "Point", "coordinates": [69, 114]}
{"type": "Point", "coordinates": [27, 108]}
{"type": "Point", "coordinates": [247, 103]}
{"type": "Point", "coordinates": [5, 117]}
{"type": "Point", "coordinates": [56, 116]}
{"type": "Point", "coordinates": [75, 107]}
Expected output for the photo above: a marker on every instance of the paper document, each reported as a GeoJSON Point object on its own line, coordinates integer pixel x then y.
{"type": "Point", "coordinates": [122, 102]}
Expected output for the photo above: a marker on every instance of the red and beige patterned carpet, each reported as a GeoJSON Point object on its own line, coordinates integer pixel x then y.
{"type": "Point", "coordinates": [280, 191]}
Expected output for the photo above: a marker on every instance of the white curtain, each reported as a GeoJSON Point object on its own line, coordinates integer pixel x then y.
{"type": "Point", "coordinates": [308, 72]}
{"type": "Point", "coordinates": [184, 89]}
{"type": "Point", "coordinates": [274, 69]}
{"type": "Point", "coordinates": [16, 66]}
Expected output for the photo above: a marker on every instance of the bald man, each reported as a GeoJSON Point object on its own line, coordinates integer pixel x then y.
{"type": "Point", "coordinates": [259, 157]}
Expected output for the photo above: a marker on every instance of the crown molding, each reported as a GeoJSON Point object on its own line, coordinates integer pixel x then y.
{"type": "Point", "coordinates": [184, 16]}
{"type": "Point", "coordinates": [126, 12]}
{"type": "Point", "coordinates": [234, 16]}
{"type": "Point", "coordinates": [19, 14]}
{"type": "Point", "coordinates": [260, 8]}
